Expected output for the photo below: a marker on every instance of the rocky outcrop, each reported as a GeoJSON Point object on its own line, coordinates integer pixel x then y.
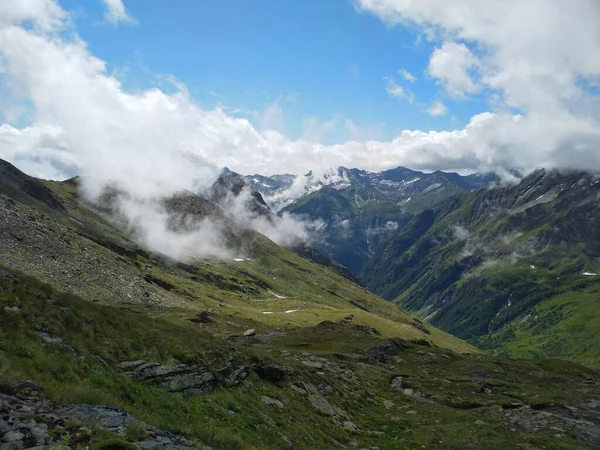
{"type": "Point", "coordinates": [29, 420]}
{"type": "Point", "coordinates": [317, 400]}
{"type": "Point", "coordinates": [271, 372]}
{"type": "Point", "coordinates": [189, 380]}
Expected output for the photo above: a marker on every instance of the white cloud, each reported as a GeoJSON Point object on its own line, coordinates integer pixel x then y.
{"type": "Point", "coordinates": [453, 64]}
{"type": "Point", "coordinates": [523, 52]}
{"type": "Point", "coordinates": [273, 118]}
{"type": "Point", "coordinates": [515, 51]}
{"type": "Point", "coordinates": [407, 75]}
{"type": "Point", "coordinates": [116, 12]}
{"type": "Point", "coordinates": [154, 142]}
{"type": "Point", "coordinates": [437, 109]}
{"type": "Point", "coordinates": [396, 91]}
{"type": "Point", "coordinates": [46, 15]}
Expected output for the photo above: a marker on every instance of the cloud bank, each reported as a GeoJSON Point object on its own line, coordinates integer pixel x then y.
{"type": "Point", "coordinates": [544, 88]}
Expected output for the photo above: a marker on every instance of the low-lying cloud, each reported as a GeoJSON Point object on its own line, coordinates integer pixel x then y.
{"type": "Point", "coordinates": [153, 144]}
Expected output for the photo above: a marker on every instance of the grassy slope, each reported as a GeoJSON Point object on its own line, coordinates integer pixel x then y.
{"type": "Point", "coordinates": [483, 287]}
{"type": "Point", "coordinates": [464, 394]}
{"type": "Point", "coordinates": [81, 253]}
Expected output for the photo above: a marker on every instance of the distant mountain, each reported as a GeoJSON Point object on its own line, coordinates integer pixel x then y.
{"type": "Point", "coordinates": [231, 186]}
{"type": "Point", "coordinates": [512, 268]}
{"type": "Point", "coordinates": [354, 221]}
{"type": "Point", "coordinates": [414, 190]}
{"type": "Point", "coordinates": [358, 209]}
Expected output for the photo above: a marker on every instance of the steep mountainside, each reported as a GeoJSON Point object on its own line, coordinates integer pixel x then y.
{"type": "Point", "coordinates": [56, 236]}
{"type": "Point", "coordinates": [108, 344]}
{"type": "Point", "coordinates": [356, 209]}
{"type": "Point", "coordinates": [353, 221]}
{"type": "Point", "coordinates": [511, 269]}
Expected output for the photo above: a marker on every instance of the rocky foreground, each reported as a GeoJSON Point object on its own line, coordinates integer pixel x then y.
{"type": "Point", "coordinates": [28, 420]}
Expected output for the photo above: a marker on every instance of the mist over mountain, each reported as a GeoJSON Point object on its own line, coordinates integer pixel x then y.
{"type": "Point", "coordinates": [357, 209]}
{"type": "Point", "coordinates": [342, 224]}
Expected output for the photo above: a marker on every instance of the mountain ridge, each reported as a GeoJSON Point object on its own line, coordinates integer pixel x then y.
{"type": "Point", "coordinates": [486, 261]}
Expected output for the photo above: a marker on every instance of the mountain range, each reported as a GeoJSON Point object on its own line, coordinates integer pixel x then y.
{"type": "Point", "coordinates": [123, 334]}
{"type": "Point", "coordinates": [511, 267]}
{"type": "Point", "coordinates": [356, 210]}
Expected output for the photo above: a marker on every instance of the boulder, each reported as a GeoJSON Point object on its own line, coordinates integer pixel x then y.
{"type": "Point", "coordinates": [250, 332]}
{"type": "Point", "coordinates": [186, 379]}
{"type": "Point", "coordinates": [349, 426]}
{"type": "Point", "coordinates": [321, 403]}
{"type": "Point", "coordinates": [272, 401]}
{"type": "Point", "coordinates": [271, 372]}
{"type": "Point", "coordinates": [396, 383]}
{"type": "Point", "coordinates": [13, 436]}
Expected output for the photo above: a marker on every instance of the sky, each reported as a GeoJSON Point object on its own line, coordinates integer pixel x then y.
{"type": "Point", "coordinates": [162, 95]}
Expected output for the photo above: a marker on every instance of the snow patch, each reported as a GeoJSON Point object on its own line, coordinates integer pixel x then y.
{"type": "Point", "coordinates": [76, 221]}
{"type": "Point", "coordinates": [407, 183]}
{"type": "Point", "coordinates": [267, 312]}
{"type": "Point", "coordinates": [589, 274]}
{"type": "Point", "coordinates": [278, 296]}
{"type": "Point", "coordinates": [289, 311]}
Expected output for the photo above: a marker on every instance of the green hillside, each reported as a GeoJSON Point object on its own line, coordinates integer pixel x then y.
{"type": "Point", "coordinates": [509, 269]}
{"type": "Point", "coordinates": [354, 221]}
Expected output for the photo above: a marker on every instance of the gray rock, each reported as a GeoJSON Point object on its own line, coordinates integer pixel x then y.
{"type": "Point", "coordinates": [271, 372]}
{"type": "Point", "coordinates": [4, 427]}
{"type": "Point", "coordinates": [271, 401]}
{"type": "Point", "coordinates": [99, 360]}
{"type": "Point", "coordinates": [349, 426]}
{"type": "Point", "coordinates": [313, 364]}
{"type": "Point", "coordinates": [50, 339]}
{"type": "Point", "coordinates": [298, 389]}
{"type": "Point", "coordinates": [325, 390]}
{"type": "Point", "coordinates": [5, 274]}
{"type": "Point", "coordinates": [39, 431]}
{"type": "Point", "coordinates": [113, 419]}
{"type": "Point", "coordinates": [308, 387]}
{"type": "Point", "coordinates": [11, 309]}
{"type": "Point", "coordinates": [187, 380]}
{"type": "Point", "coordinates": [68, 349]}
{"type": "Point", "coordinates": [388, 404]}
{"type": "Point", "coordinates": [15, 445]}
{"type": "Point", "coordinates": [250, 332]}
{"type": "Point", "coordinates": [321, 403]}
{"type": "Point", "coordinates": [12, 436]}
{"type": "Point", "coordinates": [396, 383]}
{"type": "Point", "coordinates": [131, 364]}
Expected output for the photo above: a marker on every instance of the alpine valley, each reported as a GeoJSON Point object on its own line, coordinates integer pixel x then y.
{"type": "Point", "coordinates": [509, 266]}
{"type": "Point", "coordinates": [108, 343]}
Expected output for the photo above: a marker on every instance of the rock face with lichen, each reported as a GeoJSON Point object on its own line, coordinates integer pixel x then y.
{"type": "Point", "coordinates": [29, 420]}
{"type": "Point", "coordinates": [188, 380]}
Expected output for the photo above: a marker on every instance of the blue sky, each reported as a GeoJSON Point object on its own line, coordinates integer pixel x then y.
{"type": "Point", "coordinates": [297, 85]}
{"type": "Point", "coordinates": [316, 59]}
